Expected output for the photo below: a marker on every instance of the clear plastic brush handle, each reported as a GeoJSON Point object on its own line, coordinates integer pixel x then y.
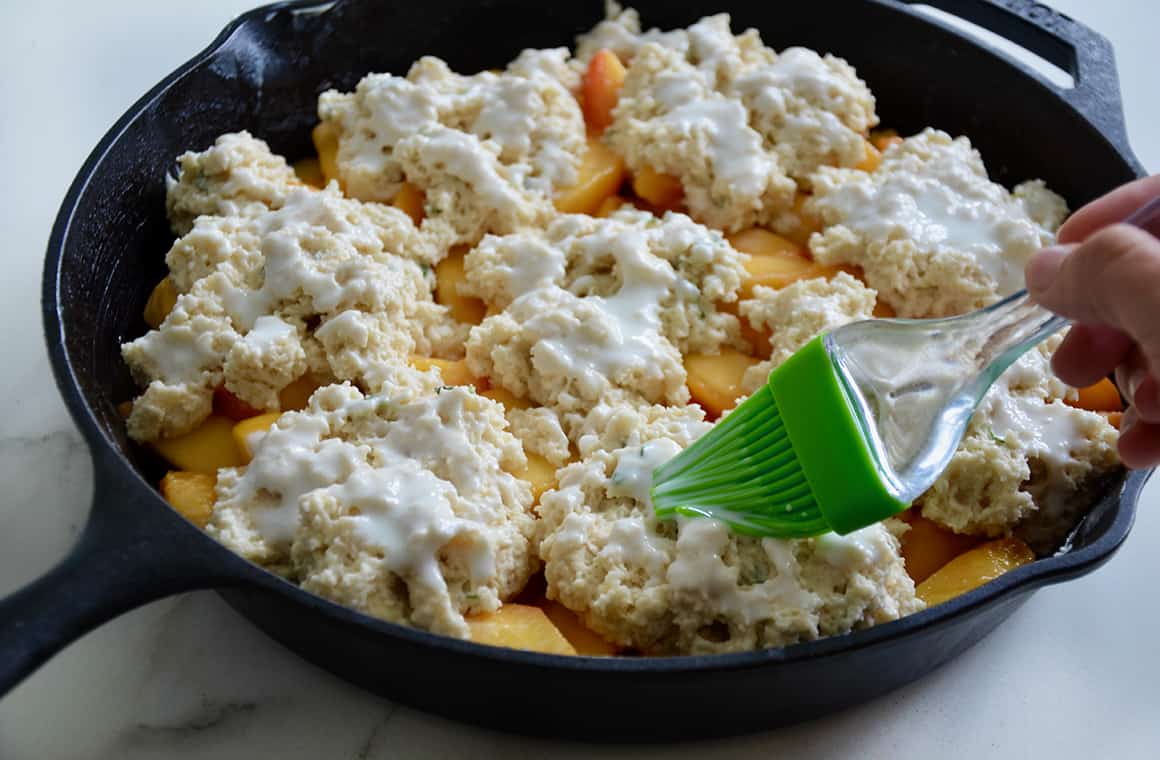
{"type": "Point", "coordinates": [1016, 324]}
{"type": "Point", "coordinates": [916, 383]}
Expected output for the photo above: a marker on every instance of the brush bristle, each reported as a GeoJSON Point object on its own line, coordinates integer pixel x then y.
{"type": "Point", "coordinates": [743, 472]}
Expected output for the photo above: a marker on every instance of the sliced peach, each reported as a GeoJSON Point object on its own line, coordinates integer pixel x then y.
{"type": "Point", "coordinates": [870, 159]}
{"type": "Point", "coordinates": [448, 274]}
{"type": "Point", "coordinates": [295, 396]}
{"type": "Point", "coordinates": [410, 199]}
{"type": "Point", "coordinates": [775, 261]}
{"type": "Point", "coordinates": [609, 205]}
{"type": "Point", "coordinates": [663, 191]}
{"type": "Point", "coordinates": [805, 224]}
{"type": "Point", "coordinates": [1115, 419]}
{"type": "Point", "coordinates": [325, 138]}
{"type": "Point", "coordinates": [309, 170]}
{"type": "Point", "coordinates": [884, 138]}
{"type": "Point", "coordinates": [777, 273]}
{"type": "Point", "coordinates": [540, 473]}
{"type": "Point", "coordinates": [248, 433]}
{"type": "Point", "coordinates": [585, 641]}
{"type": "Point", "coordinates": [229, 405]}
{"type": "Point", "coordinates": [161, 301]}
{"type": "Point", "coordinates": [715, 379]}
{"type": "Point", "coordinates": [761, 242]}
{"type": "Point", "coordinates": [600, 175]}
{"type": "Point", "coordinates": [600, 89]}
{"type": "Point", "coordinates": [206, 449]}
{"type": "Point", "coordinates": [506, 397]}
{"type": "Point", "coordinates": [927, 546]}
{"type": "Point", "coordinates": [1103, 396]}
{"type": "Point", "coordinates": [453, 372]}
{"type": "Point", "coordinates": [191, 494]}
{"type": "Point", "coordinates": [518, 626]}
{"type": "Point", "coordinates": [759, 339]}
{"type": "Point", "coordinates": [972, 569]}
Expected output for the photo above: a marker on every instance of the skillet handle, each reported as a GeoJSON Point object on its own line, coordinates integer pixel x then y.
{"type": "Point", "coordinates": [131, 552]}
{"type": "Point", "coordinates": [1068, 44]}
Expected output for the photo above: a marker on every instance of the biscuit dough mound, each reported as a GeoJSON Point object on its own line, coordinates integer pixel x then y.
{"type": "Point", "coordinates": [933, 234]}
{"type": "Point", "coordinates": [798, 313]}
{"type": "Point", "coordinates": [1029, 462]}
{"type": "Point", "coordinates": [236, 176]}
{"type": "Point", "coordinates": [670, 119]}
{"type": "Point", "coordinates": [402, 507]}
{"type": "Point", "coordinates": [488, 150]}
{"type": "Point", "coordinates": [264, 298]}
{"type": "Point", "coordinates": [690, 586]}
{"type": "Point", "coordinates": [589, 306]}
{"type": "Point", "coordinates": [740, 125]}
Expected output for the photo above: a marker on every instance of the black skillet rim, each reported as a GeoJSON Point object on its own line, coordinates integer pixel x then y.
{"type": "Point", "coordinates": [106, 458]}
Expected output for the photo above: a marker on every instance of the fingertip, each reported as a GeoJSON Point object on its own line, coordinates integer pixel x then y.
{"type": "Point", "coordinates": [1043, 268]}
{"type": "Point", "coordinates": [1089, 353]}
{"type": "Point", "coordinates": [1139, 444]}
{"type": "Point", "coordinates": [1145, 395]}
{"type": "Point", "coordinates": [1109, 209]}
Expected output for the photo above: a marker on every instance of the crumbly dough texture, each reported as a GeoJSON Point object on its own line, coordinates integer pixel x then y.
{"type": "Point", "coordinates": [590, 306]}
{"type": "Point", "coordinates": [394, 494]}
{"type": "Point", "coordinates": [326, 283]}
{"type": "Point", "coordinates": [933, 234]}
{"type": "Point", "coordinates": [692, 587]}
{"type": "Point", "coordinates": [402, 507]}
{"type": "Point", "coordinates": [1029, 462]}
{"type": "Point", "coordinates": [237, 176]}
{"type": "Point", "coordinates": [488, 150]}
{"type": "Point", "coordinates": [541, 432]}
{"type": "Point", "coordinates": [741, 126]}
{"type": "Point", "coordinates": [798, 313]}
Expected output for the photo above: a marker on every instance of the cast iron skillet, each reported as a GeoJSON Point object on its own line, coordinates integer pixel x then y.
{"type": "Point", "coordinates": [263, 74]}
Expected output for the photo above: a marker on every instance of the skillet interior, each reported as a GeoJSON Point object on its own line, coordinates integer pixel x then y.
{"type": "Point", "coordinates": [265, 76]}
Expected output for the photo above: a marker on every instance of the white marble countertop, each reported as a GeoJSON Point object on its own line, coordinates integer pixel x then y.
{"type": "Point", "coordinates": [1072, 675]}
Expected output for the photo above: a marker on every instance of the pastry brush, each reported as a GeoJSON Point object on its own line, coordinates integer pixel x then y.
{"type": "Point", "coordinates": [855, 425]}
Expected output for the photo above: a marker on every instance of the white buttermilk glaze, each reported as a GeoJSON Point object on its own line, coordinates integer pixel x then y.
{"type": "Point", "coordinates": [633, 474]}
{"type": "Point", "coordinates": [735, 150]}
{"type": "Point", "coordinates": [632, 542]}
{"type": "Point", "coordinates": [631, 314]}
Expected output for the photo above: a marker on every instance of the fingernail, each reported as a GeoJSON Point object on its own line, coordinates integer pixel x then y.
{"type": "Point", "coordinates": [1044, 266]}
{"type": "Point", "coordinates": [1128, 420]}
{"type": "Point", "coordinates": [1144, 397]}
{"type": "Point", "coordinates": [1135, 380]}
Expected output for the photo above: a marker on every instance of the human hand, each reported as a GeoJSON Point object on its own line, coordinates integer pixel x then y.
{"type": "Point", "coordinates": [1105, 276]}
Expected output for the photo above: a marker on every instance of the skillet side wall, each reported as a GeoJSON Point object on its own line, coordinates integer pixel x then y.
{"type": "Point", "coordinates": [266, 77]}
{"type": "Point", "coordinates": [617, 706]}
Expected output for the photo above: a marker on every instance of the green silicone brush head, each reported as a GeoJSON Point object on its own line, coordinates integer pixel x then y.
{"type": "Point", "coordinates": [791, 461]}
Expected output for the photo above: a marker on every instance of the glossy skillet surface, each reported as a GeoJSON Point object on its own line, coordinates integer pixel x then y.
{"type": "Point", "coordinates": [263, 73]}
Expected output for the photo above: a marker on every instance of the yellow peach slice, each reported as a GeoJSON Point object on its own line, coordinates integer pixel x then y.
{"type": "Point", "coordinates": [715, 379]}
{"type": "Point", "coordinates": [600, 175]}
{"type": "Point", "coordinates": [518, 626]}
{"type": "Point", "coordinates": [448, 274]}
{"type": "Point", "coordinates": [972, 569]}
{"type": "Point", "coordinates": [161, 302]}
{"type": "Point", "coordinates": [191, 494]}
{"type": "Point", "coordinates": [205, 449]}
{"type": "Point", "coordinates": [248, 433]}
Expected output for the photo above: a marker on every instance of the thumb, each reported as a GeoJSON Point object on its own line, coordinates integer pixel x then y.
{"type": "Point", "coordinates": [1111, 279]}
